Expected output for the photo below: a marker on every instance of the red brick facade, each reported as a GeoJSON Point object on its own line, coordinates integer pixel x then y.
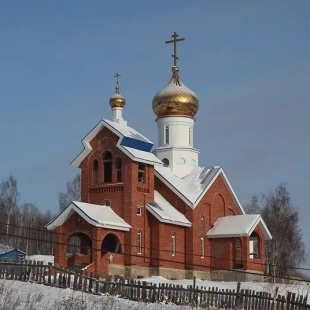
{"type": "Point", "coordinates": [161, 246]}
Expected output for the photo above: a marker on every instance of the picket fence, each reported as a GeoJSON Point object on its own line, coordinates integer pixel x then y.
{"type": "Point", "coordinates": [203, 297]}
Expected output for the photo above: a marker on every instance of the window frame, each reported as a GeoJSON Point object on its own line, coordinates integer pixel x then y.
{"type": "Point", "coordinates": [139, 241]}
{"type": "Point", "coordinates": [139, 210]}
{"type": "Point", "coordinates": [167, 135]}
{"type": "Point", "coordinates": [95, 172]}
{"type": "Point", "coordinates": [202, 236]}
{"type": "Point", "coordinates": [108, 167]}
{"type": "Point", "coordinates": [173, 244]}
{"type": "Point", "coordinates": [141, 172]}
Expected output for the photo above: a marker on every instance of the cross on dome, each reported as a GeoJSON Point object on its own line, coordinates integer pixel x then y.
{"type": "Point", "coordinates": [117, 75]}
{"type": "Point", "coordinates": [174, 41]}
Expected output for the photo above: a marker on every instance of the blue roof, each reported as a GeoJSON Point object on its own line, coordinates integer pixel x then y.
{"type": "Point", "coordinates": [8, 250]}
{"type": "Point", "coordinates": [137, 144]}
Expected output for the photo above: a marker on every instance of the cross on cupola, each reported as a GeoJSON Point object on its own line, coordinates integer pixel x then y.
{"type": "Point", "coordinates": [117, 75]}
{"type": "Point", "coordinates": [174, 41]}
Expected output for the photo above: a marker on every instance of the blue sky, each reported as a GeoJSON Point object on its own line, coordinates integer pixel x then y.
{"type": "Point", "coordinates": [247, 61]}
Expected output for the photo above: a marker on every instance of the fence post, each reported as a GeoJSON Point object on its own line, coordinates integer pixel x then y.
{"type": "Point", "coordinates": [237, 304]}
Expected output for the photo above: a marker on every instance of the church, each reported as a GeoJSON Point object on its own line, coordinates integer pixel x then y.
{"type": "Point", "coordinates": [154, 211]}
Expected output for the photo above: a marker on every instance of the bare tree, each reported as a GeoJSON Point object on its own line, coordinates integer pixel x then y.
{"type": "Point", "coordinates": [72, 193]}
{"type": "Point", "coordinates": [9, 196]}
{"type": "Point", "coordinates": [286, 250]}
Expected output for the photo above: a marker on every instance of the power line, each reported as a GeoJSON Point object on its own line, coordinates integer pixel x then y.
{"type": "Point", "coordinates": [153, 249]}
{"type": "Point", "coordinates": [152, 258]}
{"type": "Point", "coordinates": [167, 260]}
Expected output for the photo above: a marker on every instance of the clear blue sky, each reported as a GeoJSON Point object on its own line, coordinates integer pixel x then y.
{"type": "Point", "coordinates": [248, 62]}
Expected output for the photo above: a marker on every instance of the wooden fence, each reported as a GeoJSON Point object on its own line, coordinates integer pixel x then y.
{"type": "Point", "coordinates": [148, 292]}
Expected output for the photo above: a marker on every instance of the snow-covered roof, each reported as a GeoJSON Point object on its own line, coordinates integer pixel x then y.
{"type": "Point", "coordinates": [97, 215]}
{"type": "Point", "coordinates": [192, 187]}
{"type": "Point", "coordinates": [237, 226]}
{"type": "Point", "coordinates": [165, 212]}
{"type": "Point", "coordinates": [5, 250]}
{"type": "Point", "coordinates": [131, 142]}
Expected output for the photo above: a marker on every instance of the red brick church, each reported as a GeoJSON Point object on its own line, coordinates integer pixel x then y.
{"type": "Point", "coordinates": [150, 212]}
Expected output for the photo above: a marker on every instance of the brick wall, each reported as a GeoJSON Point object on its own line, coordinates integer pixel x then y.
{"type": "Point", "coordinates": [193, 250]}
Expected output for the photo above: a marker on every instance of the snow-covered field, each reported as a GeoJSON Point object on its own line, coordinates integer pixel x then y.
{"type": "Point", "coordinates": [16, 295]}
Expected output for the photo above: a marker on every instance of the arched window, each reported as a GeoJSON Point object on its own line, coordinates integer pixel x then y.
{"type": "Point", "coordinates": [107, 203]}
{"type": "Point", "coordinates": [139, 241]}
{"type": "Point", "coordinates": [141, 173]}
{"type": "Point", "coordinates": [254, 245]}
{"type": "Point", "coordinates": [95, 172]}
{"type": "Point", "coordinates": [110, 243]}
{"type": "Point", "coordinates": [173, 244]}
{"type": "Point", "coordinates": [202, 236]}
{"type": "Point", "coordinates": [119, 170]}
{"type": "Point", "coordinates": [107, 167]}
{"type": "Point", "coordinates": [166, 162]}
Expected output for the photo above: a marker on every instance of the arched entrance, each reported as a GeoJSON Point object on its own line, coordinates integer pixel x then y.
{"type": "Point", "coordinates": [78, 250]}
{"type": "Point", "coordinates": [110, 243]}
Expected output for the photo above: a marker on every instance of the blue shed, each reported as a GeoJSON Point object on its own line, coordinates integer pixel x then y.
{"type": "Point", "coordinates": [11, 253]}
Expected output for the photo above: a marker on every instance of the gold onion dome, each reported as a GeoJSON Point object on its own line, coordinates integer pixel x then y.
{"type": "Point", "coordinates": [175, 99]}
{"type": "Point", "coordinates": [117, 100]}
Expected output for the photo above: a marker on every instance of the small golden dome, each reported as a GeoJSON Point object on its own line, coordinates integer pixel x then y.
{"type": "Point", "coordinates": [175, 99]}
{"type": "Point", "coordinates": [117, 100]}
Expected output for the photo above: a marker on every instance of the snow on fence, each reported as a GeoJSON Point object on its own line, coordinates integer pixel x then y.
{"type": "Point", "coordinates": [148, 292]}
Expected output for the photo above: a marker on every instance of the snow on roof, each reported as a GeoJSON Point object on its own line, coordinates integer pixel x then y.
{"type": "Point", "coordinates": [165, 212]}
{"type": "Point", "coordinates": [237, 226]}
{"type": "Point", "coordinates": [192, 187]}
{"type": "Point", "coordinates": [127, 131]}
{"type": "Point", "coordinates": [97, 215]}
{"type": "Point", "coordinates": [142, 156]}
{"type": "Point", "coordinates": [129, 140]}
{"type": "Point", "coordinates": [4, 250]}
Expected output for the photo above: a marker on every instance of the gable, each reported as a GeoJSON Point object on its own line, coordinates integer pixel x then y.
{"type": "Point", "coordinates": [11, 252]}
{"type": "Point", "coordinates": [238, 226]}
{"type": "Point", "coordinates": [132, 143]}
{"type": "Point", "coordinates": [96, 215]}
{"type": "Point", "coordinates": [192, 188]}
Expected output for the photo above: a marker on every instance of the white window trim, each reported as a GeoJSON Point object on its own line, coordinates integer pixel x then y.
{"type": "Point", "coordinates": [139, 210]}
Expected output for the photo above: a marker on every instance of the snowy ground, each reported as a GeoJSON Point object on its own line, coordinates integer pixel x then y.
{"type": "Point", "coordinates": [16, 295]}
{"type": "Point", "coordinates": [20, 295]}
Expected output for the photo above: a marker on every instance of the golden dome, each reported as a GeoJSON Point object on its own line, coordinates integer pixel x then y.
{"type": "Point", "coordinates": [175, 99]}
{"type": "Point", "coordinates": [117, 100]}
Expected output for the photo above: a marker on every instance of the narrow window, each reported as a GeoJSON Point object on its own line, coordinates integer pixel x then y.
{"type": "Point", "coordinates": [95, 172]}
{"type": "Point", "coordinates": [189, 136]}
{"type": "Point", "coordinates": [139, 241]}
{"type": "Point", "coordinates": [139, 210]}
{"type": "Point", "coordinates": [173, 244]}
{"type": "Point", "coordinates": [202, 236]}
{"type": "Point", "coordinates": [119, 168]}
{"type": "Point", "coordinates": [217, 249]}
{"type": "Point", "coordinates": [107, 167]}
{"type": "Point", "coordinates": [166, 134]}
{"type": "Point", "coordinates": [237, 254]}
{"type": "Point", "coordinates": [141, 173]}
{"type": "Point", "coordinates": [254, 246]}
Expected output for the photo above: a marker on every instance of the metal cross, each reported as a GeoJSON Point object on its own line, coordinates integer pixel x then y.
{"type": "Point", "coordinates": [117, 88]}
{"type": "Point", "coordinates": [117, 76]}
{"type": "Point", "coordinates": [174, 41]}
